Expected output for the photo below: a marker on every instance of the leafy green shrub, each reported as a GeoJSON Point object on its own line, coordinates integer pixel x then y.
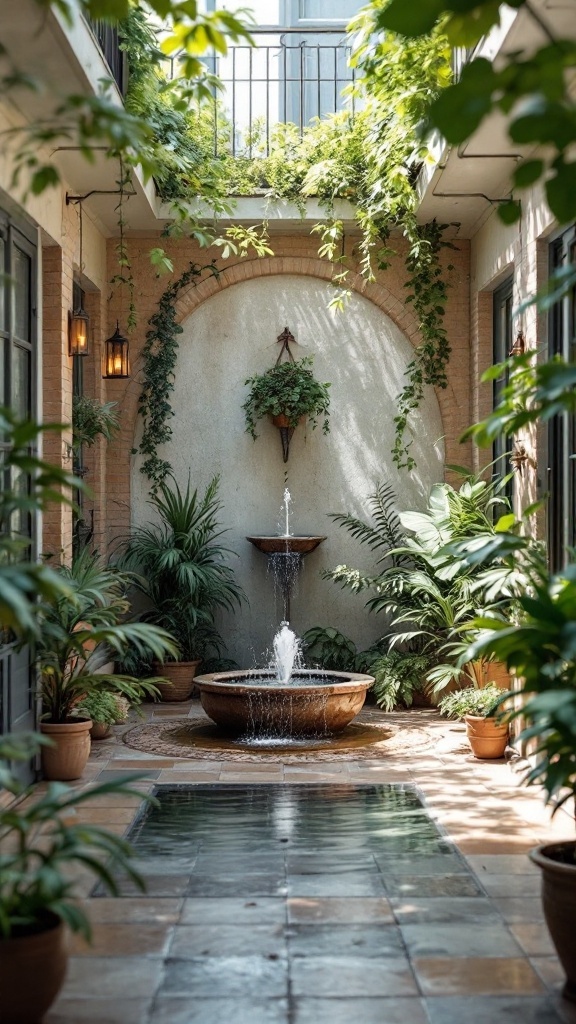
{"type": "Point", "coordinates": [472, 701]}
{"type": "Point", "coordinates": [398, 675]}
{"type": "Point", "coordinates": [106, 707]}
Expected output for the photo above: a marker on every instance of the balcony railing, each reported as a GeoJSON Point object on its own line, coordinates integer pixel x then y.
{"type": "Point", "coordinates": [107, 38]}
{"type": "Point", "coordinates": [290, 76]}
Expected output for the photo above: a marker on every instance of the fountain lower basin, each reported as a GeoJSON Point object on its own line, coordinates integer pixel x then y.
{"type": "Point", "coordinates": [312, 703]}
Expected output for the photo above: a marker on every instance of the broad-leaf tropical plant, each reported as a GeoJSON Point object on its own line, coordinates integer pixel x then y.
{"type": "Point", "coordinates": [40, 840]}
{"type": "Point", "coordinates": [180, 566]}
{"type": "Point", "coordinates": [80, 633]}
{"type": "Point", "coordinates": [541, 650]}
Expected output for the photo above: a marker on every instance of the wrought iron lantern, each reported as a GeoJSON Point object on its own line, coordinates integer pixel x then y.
{"type": "Point", "coordinates": [116, 361]}
{"type": "Point", "coordinates": [78, 324]}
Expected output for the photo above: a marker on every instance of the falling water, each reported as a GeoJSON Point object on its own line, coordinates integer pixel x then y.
{"type": "Point", "coordinates": [286, 652]}
{"type": "Point", "coordinates": [286, 512]}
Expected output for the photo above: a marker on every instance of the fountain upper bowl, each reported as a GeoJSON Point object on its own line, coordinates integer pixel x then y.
{"type": "Point", "coordinates": [300, 545]}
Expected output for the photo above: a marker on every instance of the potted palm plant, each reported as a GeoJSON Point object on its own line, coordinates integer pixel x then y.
{"type": "Point", "coordinates": [39, 842]}
{"type": "Point", "coordinates": [288, 393]}
{"type": "Point", "coordinates": [80, 631]}
{"type": "Point", "coordinates": [180, 569]}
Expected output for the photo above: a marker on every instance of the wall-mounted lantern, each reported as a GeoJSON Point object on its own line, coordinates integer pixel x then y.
{"type": "Point", "coordinates": [78, 324]}
{"type": "Point", "coordinates": [116, 362]}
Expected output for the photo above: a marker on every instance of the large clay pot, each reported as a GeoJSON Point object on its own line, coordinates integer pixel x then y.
{"type": "Point", "coordinates": [32, 970]}
{"type": "Point", "coordinates": [558, 864]}
{"type": "Point", "coordinates": [487, 737]}
{"type": "Point", "coordinates": [181, 679]}
{"type": "Point", "coordinates": [66, 758]}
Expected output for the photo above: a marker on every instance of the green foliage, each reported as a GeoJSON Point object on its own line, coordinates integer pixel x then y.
{"type": "Point", "coordinates": [181, 567]}
{"type": "Point", "coordinates": [326, 647]}
{"type": "Point", "coordinates": [104, 707]}
{"type": "Point", "coordinates": [289, 388]}
{"type": "Point", "coordinates": [424, 583]}
{"type": "Point", "coordinates": [482, 702]}
{"type": "Point", "coordinates": [540, 650]}
{"type": "Point", "coordinates": [31, 485]}
{"type": "Point", "coordinates": [428, 367]}
{"type": "Point", "coordinates": [40, 841]}
{"type": "Point", "coordinates": [534, 392]}
{"type": "Point", "coordinates": [92, 419]}
{"type": "Point", "coordinates": [82, 630]}
{"type": "Point", "coordinates": [531, 87]}
{"type": "Point", "coordinates": [398, 675]}
{"type": "Point", "coordinates": [159, 361]}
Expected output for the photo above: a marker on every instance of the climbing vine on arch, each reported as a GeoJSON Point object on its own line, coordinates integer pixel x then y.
{"type": "Point", "coordinates": [159, 356]}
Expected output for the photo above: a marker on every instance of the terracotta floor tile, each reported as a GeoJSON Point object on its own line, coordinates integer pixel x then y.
{"type": "Point", "coordinates": [120, 940]}
{"type": "Point", "coordinates": [106, 815]}
{"type": "Point", "coordinates": [527, 885]}
{"type": "Point", "coordinates": [475, 976]}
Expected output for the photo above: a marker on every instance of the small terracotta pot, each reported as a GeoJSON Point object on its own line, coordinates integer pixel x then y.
{"type": "Point", "coordinates": [181, 676]}
{"type": "Point", "coordinates": [66, 760]}
{"type": "Point", "coordinates": [100, 730]}
{"type": "Point", "coordinates": [32, 970]}
{"type": "Point", "coordinates": [486, 736]}
{"type": "Point", "coordinates": [557, 861]}
{"type": "Point", "coordinates": [281, 421]}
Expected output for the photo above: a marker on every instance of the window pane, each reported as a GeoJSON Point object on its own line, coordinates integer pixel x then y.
{"type": "Point", "coordinates": [21, 390]}
{"type": "Point", "coordinates": [336, 10]}
{"type": "Point", "coordinates": [21, 274]}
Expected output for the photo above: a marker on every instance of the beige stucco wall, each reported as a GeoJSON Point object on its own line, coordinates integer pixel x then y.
{"type": "Point", "coordinates": [364, 355]}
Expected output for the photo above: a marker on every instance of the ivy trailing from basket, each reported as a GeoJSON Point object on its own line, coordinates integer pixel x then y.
{"type": "Point", "coordinates": [159, 356]}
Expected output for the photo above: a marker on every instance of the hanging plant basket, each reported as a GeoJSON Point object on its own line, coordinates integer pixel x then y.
{"type": "Point", "coordinates": [289, 394]}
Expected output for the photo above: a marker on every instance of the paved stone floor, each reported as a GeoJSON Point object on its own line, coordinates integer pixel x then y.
{"type": "Point", "coordinates": [287, 904]}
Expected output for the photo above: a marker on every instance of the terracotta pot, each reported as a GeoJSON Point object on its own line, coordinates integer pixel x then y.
{"type": "Point", "coordinates": [66, 759]}
{"type": "Point", "coordinates": [486, 736]}
{"type": "Point", "coordinates": [558, 864]}
{"type": "Point", "coordinates": [181, 676]}
{"type": "Point", "coordinates": [32, 970]}
{"type": "Point", "coordinates": [100, 730]}
{"type": "Point", "coordinates": [281, 421]}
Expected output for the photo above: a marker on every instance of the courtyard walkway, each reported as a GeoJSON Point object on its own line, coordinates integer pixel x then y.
{"type": "Point", "coordinates": [386, 890]}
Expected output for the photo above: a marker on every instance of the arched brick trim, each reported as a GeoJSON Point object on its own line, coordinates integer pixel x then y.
{"type": "Point", "coordinates": [194, 295]}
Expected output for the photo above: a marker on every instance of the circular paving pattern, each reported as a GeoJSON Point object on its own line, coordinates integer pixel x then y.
{"type": "Point", "coordinates": [367, 738]}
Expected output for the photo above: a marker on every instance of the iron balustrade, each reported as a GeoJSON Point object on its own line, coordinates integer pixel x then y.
{"type": "Point", "coordinates": [107, 37]}
{"type": "Point", "coordinates": [291, 76]}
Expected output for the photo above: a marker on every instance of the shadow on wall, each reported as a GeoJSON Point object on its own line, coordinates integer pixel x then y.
{"type": "Point", "coordinates": [364, 355]}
